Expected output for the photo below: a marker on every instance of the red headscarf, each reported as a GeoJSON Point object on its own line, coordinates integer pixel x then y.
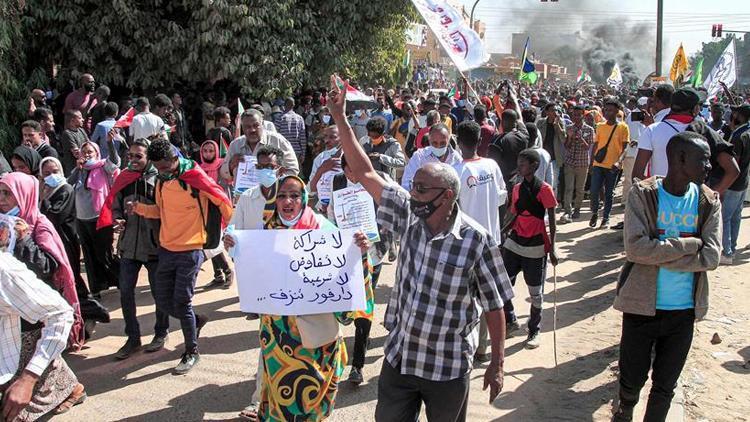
{"type": "Point", "coordinates": [25, 190]}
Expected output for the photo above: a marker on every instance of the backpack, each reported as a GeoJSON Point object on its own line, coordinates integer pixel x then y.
{"type": "Point", "coordinates": [211, 217]}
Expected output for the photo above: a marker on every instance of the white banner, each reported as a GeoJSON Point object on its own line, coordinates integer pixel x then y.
{"type": "Point", "coordinates": [459, 41]}
{"type": "Point", "coordinates": [299, 272]}
{"type": "Point", "coordinates": [725, 70]}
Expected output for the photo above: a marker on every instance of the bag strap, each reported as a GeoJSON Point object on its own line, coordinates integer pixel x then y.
{"type": "Point", "coordinates": [671, 125]}
{"type": "Point", "coordinates": [610, 137]}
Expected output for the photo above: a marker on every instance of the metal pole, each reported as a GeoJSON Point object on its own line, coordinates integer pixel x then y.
{"type": "Point", "coordinates": [659, 24]}
{"type": "Point", "coordinates": [471, 22]}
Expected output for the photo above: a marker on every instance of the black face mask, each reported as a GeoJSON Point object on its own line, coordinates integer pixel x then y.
{"type": "Point", "coordinates": [424, 210]}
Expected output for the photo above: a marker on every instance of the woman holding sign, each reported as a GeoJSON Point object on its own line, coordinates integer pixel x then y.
{"type": "Point", "coordinates": [304, 357]}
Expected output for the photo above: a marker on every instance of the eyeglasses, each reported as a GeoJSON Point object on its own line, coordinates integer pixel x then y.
{"type": "Point", "coordinates": [420, 188]}
{"type": "Point", "coordinates": [135, 156]}
{"type": "Point", "coordinates": [265, 166]}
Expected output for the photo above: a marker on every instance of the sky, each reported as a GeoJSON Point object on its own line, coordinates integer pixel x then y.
{"type": "Point", "coordinates": [686, 21]}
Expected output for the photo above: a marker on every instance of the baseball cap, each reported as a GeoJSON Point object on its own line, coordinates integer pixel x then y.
{"type": "Point", "coordinates": [687, 98]}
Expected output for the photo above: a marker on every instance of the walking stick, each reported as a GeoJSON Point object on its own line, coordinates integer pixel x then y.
{"type": "Point", "coordinates": [554, 313]}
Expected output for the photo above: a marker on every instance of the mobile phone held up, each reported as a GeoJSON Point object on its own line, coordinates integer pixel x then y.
{"type": "Point", "coordinates": [636, 116]}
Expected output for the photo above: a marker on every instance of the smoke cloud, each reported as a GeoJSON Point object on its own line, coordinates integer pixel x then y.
{"type": "Point", "coordinates": [592, 45]}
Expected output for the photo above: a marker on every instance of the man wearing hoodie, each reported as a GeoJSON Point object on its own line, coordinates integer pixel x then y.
{"type": "Point", "coordinates": [137, 245]}
{"type": "Point", "coordinates": [672, 238]}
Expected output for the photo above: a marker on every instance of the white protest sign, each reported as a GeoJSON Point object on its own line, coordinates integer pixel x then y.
{"type": "Point", "coordinates": [355, 209]}
{"type": "Point", "coordinates": [299, 272]}
{"type": "Point", "coordinates": [246, 176]}
{"type": "Point", "coordinates": [325, 184]}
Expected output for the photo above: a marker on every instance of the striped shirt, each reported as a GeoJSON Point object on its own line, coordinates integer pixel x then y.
{"type": "Point", "coordinates": [443, 282]}
{"type": "Point", "coordinates": [292, 127]}
{"type": "Point", "coordinates": [23, 295]}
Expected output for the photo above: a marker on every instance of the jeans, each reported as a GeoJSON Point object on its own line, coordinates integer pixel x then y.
{"type": "Point", "coordinates": [669, 334]}
{"type": "Point", "coordinates": [607, 177]}
{"type": "Point", "coordinates": [731, 216]}
{"type": "Point", "coordinates": [534, 273]}
{"type": "Point", "coordinates": [174, 288]}
{"type": "Point", "coordinates": [129, 269]}
{"type": "Point", "coordinates": [400, 397]}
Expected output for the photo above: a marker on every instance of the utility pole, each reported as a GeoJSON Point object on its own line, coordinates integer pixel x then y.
{"type": "Point", "coordinates": [471, 25]}
{"type": "Point", "coordinates": [659, 28]}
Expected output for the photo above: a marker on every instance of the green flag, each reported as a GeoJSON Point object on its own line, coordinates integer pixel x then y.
{"type": "Point", "coordinates": [530, 77]}
{"type": "Point", "coordinates": [697, 79]}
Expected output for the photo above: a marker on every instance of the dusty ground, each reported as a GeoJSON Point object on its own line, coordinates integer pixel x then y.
{"type": "Point", "coordinates": [581, 388]}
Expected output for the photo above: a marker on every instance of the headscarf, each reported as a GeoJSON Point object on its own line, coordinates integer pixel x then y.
{"type": "Point", "coordinates": [25, 190]}
{"type": "Point", "coordinates": [28, 156]}
{"type": "Point", "coordinates": [307, 220]}
{"type": "Point", "coordinates": [211, 168]}
{"type": "Point", "coordinates": [97, 179]}
{"type": "Point", "coordinates": [60, 167]}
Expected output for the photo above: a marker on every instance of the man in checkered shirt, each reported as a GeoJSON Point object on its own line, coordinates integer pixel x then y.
{"type": "Point", "coordinates": [449, 271]}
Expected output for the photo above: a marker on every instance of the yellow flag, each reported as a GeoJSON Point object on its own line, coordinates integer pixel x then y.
{"type": "Point", "coordinates": [680, 65]}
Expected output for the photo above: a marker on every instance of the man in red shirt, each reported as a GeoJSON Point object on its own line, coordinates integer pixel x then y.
{"type": "Point", "coordinates": [82, 99]}
{"type": "Point", "coordinates": [487, 130]}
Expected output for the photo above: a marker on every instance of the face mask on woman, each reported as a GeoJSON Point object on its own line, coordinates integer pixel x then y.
{"type": "Point", "coordinates": [292, 222]}
{"type": "Point", "coordinates": [54, 180]}
{"type": "Point", "coordinates": [14, 212]}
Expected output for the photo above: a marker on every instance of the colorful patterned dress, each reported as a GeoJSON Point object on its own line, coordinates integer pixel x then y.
{"type": "Point", "coordinates": [300, 384]}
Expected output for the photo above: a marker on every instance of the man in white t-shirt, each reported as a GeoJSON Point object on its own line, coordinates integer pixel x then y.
{"type": "Point", "coordinates": [145, 123]}
{"type": "Point", "coordinates": [482, 196]}
{"type": "Point", "coordinates": [652, 144]}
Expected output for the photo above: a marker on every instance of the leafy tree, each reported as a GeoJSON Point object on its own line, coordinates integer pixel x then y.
{"type": "Point", "coordinates": [12, 96]}
{"type": "Point", "coordinates": [272, 46]}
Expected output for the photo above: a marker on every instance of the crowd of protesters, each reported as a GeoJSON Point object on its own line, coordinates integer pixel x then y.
{"type": "Point", "coordinates": [469, 191]}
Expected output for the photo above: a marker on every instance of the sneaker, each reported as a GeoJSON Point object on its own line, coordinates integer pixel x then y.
{"type": "Point", "coordinates": [200, 321]}
{"type": "Point", "coordinates": [355, 376]}
{"type": "Point", "coordinates": [130, 347]}
{"type": "Point", "coordinates": [157, 343]}
{"type": "Point", "coordinates": [482, 357]}
{"type": "Point", "coordinates": [623, 414]}
{"type": "Point", "coordinates": [218, 281]}
{"type": "Point", "coordinates": [228, 279]}
{"type": "Point", "coordinates": [576, 214]}
{"type": "Point", "coordinates": [187, 362]}
{"type": "Point", "coordinates": [594, 219]}
{"type": "Point", "coordinates": [726, 259]}
{"type": "Point", "coordinates": [605, 223]}
{"type": "Point", "coordinates": [533, 341]}
{"type": "Point", "coordinates": [564, 219]}
{"type": "Point", "coordinates": [619, 226]}
{"type": "Point", "coordinates": [510, 328]}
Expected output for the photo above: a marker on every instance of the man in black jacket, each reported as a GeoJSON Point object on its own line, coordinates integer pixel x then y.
{"type": "Point", "coordinates": [732, 200]}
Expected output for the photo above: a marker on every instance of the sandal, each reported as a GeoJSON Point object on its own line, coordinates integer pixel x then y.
{"type": "Point", "coordinates": [250, 413]}
{"type": "Point", "coordinates": [75, 398]}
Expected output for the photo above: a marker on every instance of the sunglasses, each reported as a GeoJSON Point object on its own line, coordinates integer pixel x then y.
{"type": "Point", "coordinates": [420, 188]}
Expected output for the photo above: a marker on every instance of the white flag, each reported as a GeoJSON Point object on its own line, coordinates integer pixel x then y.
{"type": "Point", "coordinates": [725, 70]}
{"type": "Point", "coordinates": [461, 43]}
{"type": "Point", "coordinates": [615, 78]}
